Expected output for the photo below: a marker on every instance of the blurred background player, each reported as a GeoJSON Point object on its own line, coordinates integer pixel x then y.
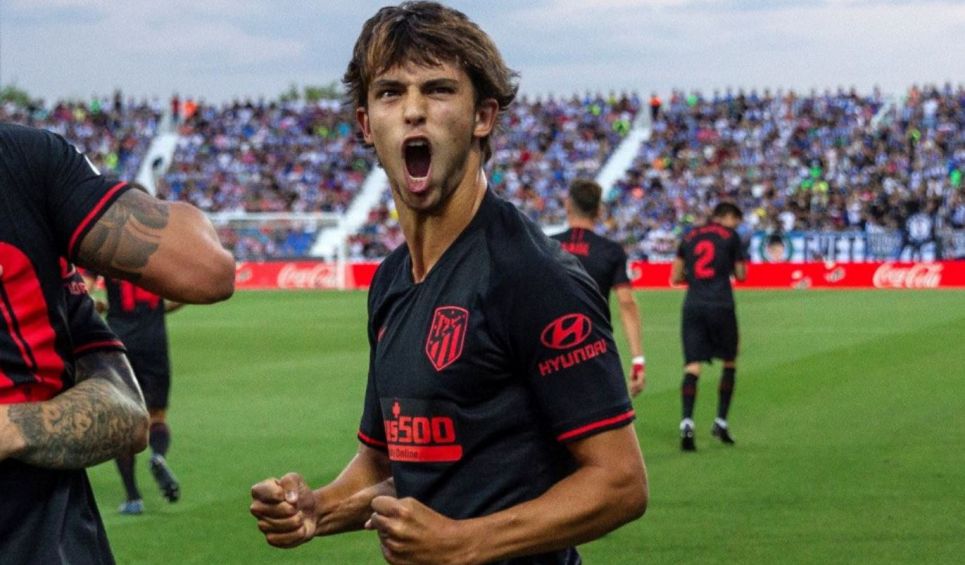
{"type": "Point", "coordinates": [606, 263]}
{"type": "Point", "coordinates": [137, 317]}
{"type": "Point", "coordinates": [706, 259]}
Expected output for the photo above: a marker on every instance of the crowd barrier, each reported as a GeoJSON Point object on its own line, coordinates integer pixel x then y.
{"type": "Point", "coordinates": [826, 275]}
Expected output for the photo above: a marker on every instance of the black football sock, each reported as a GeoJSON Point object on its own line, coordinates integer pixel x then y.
{"type": "Point", "coordinates": [125, 465]}
{"type": "Point", "coordinates": [688, 391]}
{"type": "Point", "coordinates": [160, 438]}
{"type": "Point", "coordinates": [725, 391]}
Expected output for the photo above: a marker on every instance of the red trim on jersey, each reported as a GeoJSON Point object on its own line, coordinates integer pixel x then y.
{"type": "Point", "coordinates": [90, 216]}
{"type": "Point", "coordinates": [107, 344]}
{"type": "Point", "coordinates": [626, 416]}
{"type": "Point", "coordinates": [26, 393]}
{"type": "Point", "coordinates": [371, 442]}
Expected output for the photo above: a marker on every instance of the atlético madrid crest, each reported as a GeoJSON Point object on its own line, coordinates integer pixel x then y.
{"type": "Point", "coordinates": [447, 335]}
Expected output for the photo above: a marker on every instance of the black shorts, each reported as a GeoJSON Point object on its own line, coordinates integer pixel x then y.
{"type": "Point", "coordinates": [153, 372]}
{"type": "Point", "coordinates": [709, 331]}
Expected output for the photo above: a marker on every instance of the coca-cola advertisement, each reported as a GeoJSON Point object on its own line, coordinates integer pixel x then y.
{"type": "Point", "coordinates": [303, 275]}
{"type": "Point", "coordinates": [318, 275]}
{"type": "Point", "coordinates": [825, 275]}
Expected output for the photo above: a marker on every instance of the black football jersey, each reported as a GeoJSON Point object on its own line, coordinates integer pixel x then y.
{"type": "Point", "coordinates": [137, 317]}
{"type": "Point", "coordinates": [710, 253]}
{"type": "Point", "coordinates": [603, 259]}
{"type": "Point", "coordinates": [482, 372]}
{"type": "Point", "coordinates": [89, 332]}
{"type": "Point", "coordinates": [50, 196]}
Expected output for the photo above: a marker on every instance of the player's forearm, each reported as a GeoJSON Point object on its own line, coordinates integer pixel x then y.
{"type": "Point", "coordinates": [677, 272]}
{"type": "Point", "coordinates": [740, 271]}
{"type": "Point", "coordinates": [100, 418]}
{"type": "Point", "coordinates": [592, 501]}
{"type": "Point", "coordinates": [346, 503]}
{"type": "Point", "coordinates": [630, 315]}
{"type": "Point", "coordinates": [348, 514]}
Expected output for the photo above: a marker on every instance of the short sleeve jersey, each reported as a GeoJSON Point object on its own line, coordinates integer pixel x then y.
{"type": "Point", "coordinates": [481, 373]}
{"type": "Point", "coordinates": [604, 260]}
{"type": "Point", "coordinates": [50, 197]}
{"type": "Point", "coordinates": [137, 316]}
{"type": "Point", "coordinates": [89, 332]}
{"type": "Point", "coordinates": [710, 253]}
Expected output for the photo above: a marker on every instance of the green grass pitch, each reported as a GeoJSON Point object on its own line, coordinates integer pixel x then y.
{"type": "Point", "coordinates": [849, 417]}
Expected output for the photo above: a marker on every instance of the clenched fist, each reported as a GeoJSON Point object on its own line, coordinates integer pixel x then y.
{"type": "Point", "coordinates": [285, 509]}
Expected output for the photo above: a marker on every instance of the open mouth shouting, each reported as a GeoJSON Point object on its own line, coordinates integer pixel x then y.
{"type": "Point", "coordinates": [417, 154]}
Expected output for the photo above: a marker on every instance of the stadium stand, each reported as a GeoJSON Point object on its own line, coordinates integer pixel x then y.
{"type": "Point", "coordinates": [820, 162]}
{"type": "Point", "coordinates": [112, 131]}
{"type": "Point", "coordinates": [274, 173]}
{"type": "Point", "coordinates": [268, 157]}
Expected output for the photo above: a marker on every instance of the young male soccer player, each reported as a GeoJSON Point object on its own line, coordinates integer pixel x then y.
{"type": "Point", "coordinates": [60, 412]}
{"type": "Point", "coordinates": [495, 403]}
{"type": "Point", "coordinates": [606, 263]}
{"type": "Point", "coordinates": [137, 317]}
{"type": "Point", "coordinates": [706, 259]}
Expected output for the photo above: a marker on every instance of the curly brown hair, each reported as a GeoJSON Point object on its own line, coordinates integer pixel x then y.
{"type": "Point", "coordinates": [429, 34]}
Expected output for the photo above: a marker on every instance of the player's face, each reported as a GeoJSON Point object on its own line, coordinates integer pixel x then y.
{"type": "Point", "coordinates": [730, 221]}
{"type": "Point", "coordinates": [426, 126]}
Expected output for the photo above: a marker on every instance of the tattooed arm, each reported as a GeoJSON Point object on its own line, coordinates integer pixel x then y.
{"type": "Point", "coordinates": [101, 417]}
{"type": "Point", "coordinates": [169, 248]}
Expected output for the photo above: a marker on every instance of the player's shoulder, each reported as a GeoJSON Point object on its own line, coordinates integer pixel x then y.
{"type": "Point", "coordinates": [521, 254]}
{"type": "Point", "coordinates": [612, 247]}
{"type": "Point", "coordinates": [16, 135]}
{"type": "Point", "coordinates": [388, 269]}
{"type": "Point", "coordinates": [563, 235]}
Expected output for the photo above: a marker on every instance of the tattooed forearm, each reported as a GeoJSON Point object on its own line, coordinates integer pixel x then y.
{"type": "Point", "coordinates": [96, 420]}
{"type": "Point", "coordinates": [126, 236]}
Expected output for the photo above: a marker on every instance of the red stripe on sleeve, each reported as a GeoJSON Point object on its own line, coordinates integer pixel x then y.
{"type": "Point", "coordinates": [371, 442]}
{"type": "Point", "coordinates": [626, 416]}
{"type": "Point", "coordinates": [112, 343]}
{"type": "Point", "coordinates": [90, 216]}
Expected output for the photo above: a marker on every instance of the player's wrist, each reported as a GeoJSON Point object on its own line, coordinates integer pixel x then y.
{"type": "Point", "coordinates": [639, 360]}
{"type": "Point", "coordinates": [12, 441]}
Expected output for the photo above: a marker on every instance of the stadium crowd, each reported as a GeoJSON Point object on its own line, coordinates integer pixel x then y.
{"type": "Point", "coordinates": [277, 156]}
{"type": "Point", "coordinates": [824, 162]}
{"type": "Point", "coordinates": [829, 162]}
{"type": "Point", "coordinates": [113, 132]}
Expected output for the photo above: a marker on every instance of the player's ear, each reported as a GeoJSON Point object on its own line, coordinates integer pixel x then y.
{"type": "Point", "coordinates": [362, 117]}
{"type": "Point", "coordinates": [486, 112]}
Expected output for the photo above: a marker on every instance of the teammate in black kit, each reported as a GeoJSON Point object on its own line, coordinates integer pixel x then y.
{"type": "Point", "coordinates": [706, 259]}
{"type": "Point", "coordinates": [496, 424]}
{"type": "Point", "coordinates": [137, 317]}
{"type": "Point", "coordinates": [606, 263]}
{"type": "Point", "coordinates": [62, 409]}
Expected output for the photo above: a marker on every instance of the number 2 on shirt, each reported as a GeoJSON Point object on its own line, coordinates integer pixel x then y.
{"type": "Point", "coordinates": [705, 256]}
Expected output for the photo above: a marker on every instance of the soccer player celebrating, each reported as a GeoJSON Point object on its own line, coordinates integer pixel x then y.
{"type": "Point", "coordinates": [137, 317]}
{"type": "Point", "coordinates": [496, 422]}
{"type": "Point", "coordinates": [706, 259]}
{"type": "Point", "coordinates": [606, 263]}
{"type": "Point", "coordinates": [60, 411]}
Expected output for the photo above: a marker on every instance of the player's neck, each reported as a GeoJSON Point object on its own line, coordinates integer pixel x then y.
{"type": "Point", "coordinates": [428, 236]}
{"type": "Point", "coordinates": [581, 223]}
